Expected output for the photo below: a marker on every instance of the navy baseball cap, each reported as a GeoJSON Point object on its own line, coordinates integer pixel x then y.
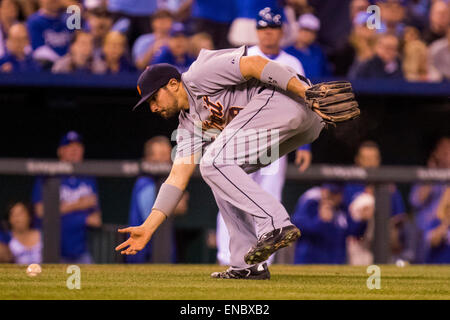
{"type": "Point", "coordinates": [154, 78]}
{"type": "Point", "coordinates": [69, 137]}
{"type": "Point", "coordinates": [268, 18]}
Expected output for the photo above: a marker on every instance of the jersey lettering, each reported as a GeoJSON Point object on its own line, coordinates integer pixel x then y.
{"type": "Point", "coordinates": [217, 118]}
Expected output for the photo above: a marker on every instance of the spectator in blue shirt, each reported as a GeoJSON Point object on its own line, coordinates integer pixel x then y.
{"type": "Point", "coordinates": [325, 225]}
{"type": "Point", "coordinates": [50, 37]}
{"type": "Point", "coordinates": [214, 17]}
{"type": "Point", "coordinates": [9, 14]}
{"type": "Point", "coordinates": [307, 50]}
{"type": "Point", "coordinates": [156, 150]}
{"type": "Point", "coordinates": [369, 156]}
{"type": "Point", "coordinates": [17, 59]}
{"type": "Point", "coordinates": [438, 233]}
{"type": "Point", "coordinates": [149, 45]}
{"type": "Point", "coordinates": [79, 204]}
{"type": "Point", "coordinates": [425, 198]}
{"type": "Point", "coordinates": [176, 52]}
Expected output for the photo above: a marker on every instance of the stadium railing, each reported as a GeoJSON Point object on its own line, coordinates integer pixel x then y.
{"type": "Point", "coordinates": [53, 170]}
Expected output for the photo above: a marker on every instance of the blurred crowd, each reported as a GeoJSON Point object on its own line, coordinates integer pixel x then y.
{"type": "Point", "coordinates": [399, 39]}
{"type": "Point", "coordinates": [20, 236]}
{"type": "Point", "coordinates": [336, 219]}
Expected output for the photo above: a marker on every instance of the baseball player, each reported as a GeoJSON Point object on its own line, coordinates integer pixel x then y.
{"type": "Point", "coordinates": [271, 178]}
{"type": "Point", "coordinates": [234, 110]}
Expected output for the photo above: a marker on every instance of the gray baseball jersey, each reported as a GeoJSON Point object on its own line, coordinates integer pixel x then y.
{"type": "Point", "coordinates": [225, 107]}
{"type": "Point", "coordinates": [217, 91]}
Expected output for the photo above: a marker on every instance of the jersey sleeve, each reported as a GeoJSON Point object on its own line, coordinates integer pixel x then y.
{"type": "Point", "coordinates": [189, 136]}
{"type": "Point", "coordinates": [214, 70]}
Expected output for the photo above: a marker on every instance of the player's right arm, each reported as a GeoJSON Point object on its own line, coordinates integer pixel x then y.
{"type": "Point", "coordinates": [215, 70]}
{"type": "Point", "coordinates": [271, 72]}
{"type": "Point", "coordinates": [179, 177]}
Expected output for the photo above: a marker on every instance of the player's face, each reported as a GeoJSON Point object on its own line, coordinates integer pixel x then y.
{"type": "Point", "coordinates": [164, 103]}
{"type": "Point", "coordinates": [270, 37]}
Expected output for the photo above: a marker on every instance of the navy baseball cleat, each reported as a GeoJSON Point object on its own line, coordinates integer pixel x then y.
{"type": "Point", "coordinates": [257, 272]}
{"type": "Point", "coordinates": [270, 242]}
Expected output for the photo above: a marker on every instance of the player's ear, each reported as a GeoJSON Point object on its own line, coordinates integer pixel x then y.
{"type": "Point", "coordinates": [173, 84]}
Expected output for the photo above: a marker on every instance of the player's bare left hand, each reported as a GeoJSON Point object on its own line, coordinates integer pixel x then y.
{"type": "Point", "coordinates": [139, 237]}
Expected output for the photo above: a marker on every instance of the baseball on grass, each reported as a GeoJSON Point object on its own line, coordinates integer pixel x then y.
{"type": "Point", "coordinates": [400, 263]}
{"type": "Point", "coordinates": [33, 270]}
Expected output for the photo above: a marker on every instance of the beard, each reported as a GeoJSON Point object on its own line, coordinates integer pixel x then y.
{"type": "Point", "coordinates": [169, 112]}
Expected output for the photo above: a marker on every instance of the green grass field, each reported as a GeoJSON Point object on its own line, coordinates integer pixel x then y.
{"type": "Point", "coordinates": [192, 282]}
